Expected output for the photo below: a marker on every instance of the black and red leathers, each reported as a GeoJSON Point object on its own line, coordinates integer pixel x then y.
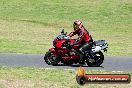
{"type": "Point", "coordinates": [83, 36]}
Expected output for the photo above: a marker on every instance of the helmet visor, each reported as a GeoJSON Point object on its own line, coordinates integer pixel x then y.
{"type": "Point", "coordinates": [75, 26]}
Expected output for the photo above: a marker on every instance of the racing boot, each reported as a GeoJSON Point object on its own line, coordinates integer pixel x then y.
{"type": "Point", "coordinates": [82, 57]}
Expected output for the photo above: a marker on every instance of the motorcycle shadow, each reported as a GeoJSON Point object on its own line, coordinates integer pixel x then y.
{"type": "Point", "coordinates": [78, 65]}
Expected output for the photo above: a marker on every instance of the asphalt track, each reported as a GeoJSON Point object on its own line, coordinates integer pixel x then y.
{"type": "Point", "coordinates": [113, 63]}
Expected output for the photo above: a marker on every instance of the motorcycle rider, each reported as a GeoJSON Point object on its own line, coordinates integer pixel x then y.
{"type": "Point", "coordinates": [84, 38]}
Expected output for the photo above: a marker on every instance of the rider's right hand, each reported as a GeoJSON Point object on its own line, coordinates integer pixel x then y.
{"type": "Point", "coordinates": [71, 34]}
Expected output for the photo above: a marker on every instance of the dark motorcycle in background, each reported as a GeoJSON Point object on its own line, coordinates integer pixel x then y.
{"type": "Point", "coordinates": [65, 53]}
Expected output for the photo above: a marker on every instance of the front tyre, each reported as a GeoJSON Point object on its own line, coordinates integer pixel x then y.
{"type": "Point", "coordinates": [51, 59]}
{"type": "Point", "coordinates": [95, 60]}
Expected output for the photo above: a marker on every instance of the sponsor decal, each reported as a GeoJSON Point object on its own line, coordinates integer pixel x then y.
{"type": "Point", "coordinates": [83, 78]}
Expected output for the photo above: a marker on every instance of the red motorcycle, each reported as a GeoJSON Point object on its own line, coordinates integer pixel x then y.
{"type": "Point", "coordinates": [65, 53]}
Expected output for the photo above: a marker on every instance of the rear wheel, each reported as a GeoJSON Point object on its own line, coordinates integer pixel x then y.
{"type": "Point", "coordinates": [95, 59]}
{"type": "Point", "coordinates": [51, 59]}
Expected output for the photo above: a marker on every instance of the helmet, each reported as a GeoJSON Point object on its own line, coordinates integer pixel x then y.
{"type": "Point", "coordinates": [77, 24]}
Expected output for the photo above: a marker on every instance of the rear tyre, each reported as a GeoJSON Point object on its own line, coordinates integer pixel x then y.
{"type": "Point", "coordinates": [51, 59]}
{"type": "Point", "coordinates": [95, 60]}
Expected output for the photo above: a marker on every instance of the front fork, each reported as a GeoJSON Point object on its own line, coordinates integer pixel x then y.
{"type": "Point", "coordinates": [55, 55]}
{"type": "Point", "coordinates": [53, 51]}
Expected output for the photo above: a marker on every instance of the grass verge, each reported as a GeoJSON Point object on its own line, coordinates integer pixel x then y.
{"type": "Point", "coordinates": [30, 26]}
{"type": "Point", "coordinates": [24, 77]}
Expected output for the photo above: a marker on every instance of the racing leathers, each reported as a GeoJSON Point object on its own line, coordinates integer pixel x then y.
{"type": "Point", "coordinates": [84, 41]}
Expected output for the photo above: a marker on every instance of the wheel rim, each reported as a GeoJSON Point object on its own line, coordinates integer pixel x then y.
{"type": "Point", "coordinates": [51, 59]}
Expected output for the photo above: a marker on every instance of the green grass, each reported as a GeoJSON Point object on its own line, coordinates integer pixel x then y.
{"type": "Point", "coordinates": [29, 26]}
{"type": "Point", "coordinates": [1, 86]}
{"type": "Point", "coordinates": [55, 78]}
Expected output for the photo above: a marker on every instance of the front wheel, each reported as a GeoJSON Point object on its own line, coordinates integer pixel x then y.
{"type": "Point", "coordinates": [95, 59]}
{"type": "Point", "coordinates": [51, 59]}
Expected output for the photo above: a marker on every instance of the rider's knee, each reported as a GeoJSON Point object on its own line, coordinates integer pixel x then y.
{"type": "Point", "coordinates": [81, 49]}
